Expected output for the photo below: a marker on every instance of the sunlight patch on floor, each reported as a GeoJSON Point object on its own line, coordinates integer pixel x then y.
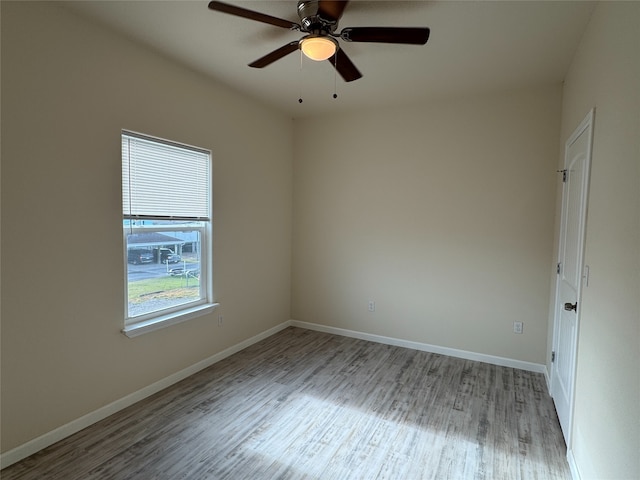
{"type": "Point", "coordinates": [339, 440]}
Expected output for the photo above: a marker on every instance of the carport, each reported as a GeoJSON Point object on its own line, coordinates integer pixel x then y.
{"type": "Point", "coordinates": [154, 241]}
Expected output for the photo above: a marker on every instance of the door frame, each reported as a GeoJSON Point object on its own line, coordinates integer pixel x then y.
{"type": "Point", "coordinates": [586, 125]}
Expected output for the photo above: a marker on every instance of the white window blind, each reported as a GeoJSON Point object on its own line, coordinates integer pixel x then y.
{"type": "Point", "coordinates": [164, 180]}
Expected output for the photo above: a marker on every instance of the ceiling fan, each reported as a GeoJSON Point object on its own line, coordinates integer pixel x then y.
{"type": "Point", "coordinates": [319, 20]}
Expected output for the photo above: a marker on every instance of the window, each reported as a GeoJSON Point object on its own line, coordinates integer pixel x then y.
{"type": "Point", "coordinates": [166, 220]}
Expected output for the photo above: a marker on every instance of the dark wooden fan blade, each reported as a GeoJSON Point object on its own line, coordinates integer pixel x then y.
{"type": "Point", "coordinates": [275, 55]}
{"type": "Point", "coordinates": [251, 15]}
{"type": "Point", "coordinates": [406, 35]}
{"type": "Point", "coordinates": [331, 9]}
{"type": "Point", "coordinates": [344, 66]}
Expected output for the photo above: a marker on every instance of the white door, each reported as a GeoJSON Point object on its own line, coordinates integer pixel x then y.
{"type": "Point", "coordinates": [570, 271]}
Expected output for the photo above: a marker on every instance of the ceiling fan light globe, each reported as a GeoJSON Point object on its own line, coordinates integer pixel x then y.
{"type": "Point", "coordinates": [318, 48]}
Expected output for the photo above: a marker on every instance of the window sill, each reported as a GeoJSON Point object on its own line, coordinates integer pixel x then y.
{"type": "Point", "coordinates": [164, 321]}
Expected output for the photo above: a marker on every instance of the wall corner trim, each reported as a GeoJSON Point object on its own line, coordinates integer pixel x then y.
{"type": "Point", "coordinates": [573, 466]}
{"type": "Point", "coordinates": [547, 379]}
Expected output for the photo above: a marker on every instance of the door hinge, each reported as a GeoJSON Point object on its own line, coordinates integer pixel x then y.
{"type": "Point", "coordinates": [553, 357]}
{"type": "Point", "coordinates": [558, 267]}
{"type": "Point", "coordinates": [564, 175]}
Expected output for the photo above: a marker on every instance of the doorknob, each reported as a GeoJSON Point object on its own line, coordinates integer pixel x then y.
{"type": "Point", "coordinates": [571, 306]}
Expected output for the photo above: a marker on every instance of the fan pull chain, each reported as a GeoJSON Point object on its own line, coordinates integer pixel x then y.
{"type": "Point", "coordinates": [301, 79]}
{"type": "Point", "coordinates": [335, 74]}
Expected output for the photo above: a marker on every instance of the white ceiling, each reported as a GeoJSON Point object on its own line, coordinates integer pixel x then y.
{"type": "Point", "coordinates": [475, 46]}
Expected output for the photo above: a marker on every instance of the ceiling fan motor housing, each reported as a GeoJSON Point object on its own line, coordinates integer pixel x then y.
{"type": "Point", "coordinates": [312, 22]}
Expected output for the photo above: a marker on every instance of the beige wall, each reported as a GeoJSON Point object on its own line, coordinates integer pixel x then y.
{"type": "Point", "coordinates": [442, 214]}
{"type": "Point", "coordinates": [68, 88]}
{"type": "Point", "coordinates": [605, 74]}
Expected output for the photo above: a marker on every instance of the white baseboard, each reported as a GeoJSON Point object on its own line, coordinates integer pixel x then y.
{"type": "Point", "coordinates": [547, 379]}
{"type": "Point", "coordinates": [23, 451]}
{"type": "Point", "coordinates": [49, 438]}
{"type": "Point", "coordinates": [425, 347]}
{"type": "Point", "coordinates": [573, 467]}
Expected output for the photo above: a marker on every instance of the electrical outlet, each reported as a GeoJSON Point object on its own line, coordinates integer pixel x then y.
{"type": "Point", "coordinates": [517, 327]}
{"type": "Point", "coordinates": [219, 320]}
{"type": "Point", "coordinates": [372, 306]}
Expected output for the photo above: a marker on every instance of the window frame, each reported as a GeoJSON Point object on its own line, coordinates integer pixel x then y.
{"type": "Point", "coordinates": [148, 322]}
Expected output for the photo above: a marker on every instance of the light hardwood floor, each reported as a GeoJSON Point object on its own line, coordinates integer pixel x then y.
{"type": "Point", "coordinates": [309, 405]}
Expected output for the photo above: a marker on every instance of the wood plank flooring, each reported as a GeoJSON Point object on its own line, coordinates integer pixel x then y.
{"type": "Point", "coordinates": [309, 405]}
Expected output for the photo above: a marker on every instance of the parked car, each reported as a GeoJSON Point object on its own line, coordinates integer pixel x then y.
{"type": "Point", "coordinates": [168, 256]}
{"type": "Point", "coordinates": [139, 255]}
